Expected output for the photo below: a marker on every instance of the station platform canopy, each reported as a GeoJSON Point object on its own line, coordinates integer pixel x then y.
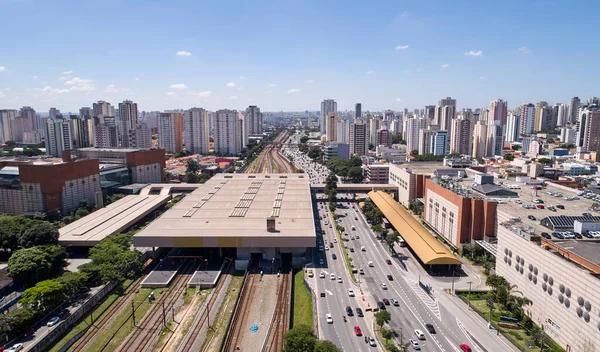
{"type": "Point", "coordinates": [429, 250]}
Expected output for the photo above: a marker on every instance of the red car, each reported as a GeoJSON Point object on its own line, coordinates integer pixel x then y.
{"type": "Point", "coordinates": [465, 348]}
{"type": "Point", "coordinates": [358, 332]}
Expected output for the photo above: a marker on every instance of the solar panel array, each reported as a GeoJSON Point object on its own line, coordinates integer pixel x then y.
{"type": "Point", "coordinates": [204, 199]}
{"type": "Point", "coordinates": [278, 200]}
{"type": "Point", "coordinates": [246, 199]}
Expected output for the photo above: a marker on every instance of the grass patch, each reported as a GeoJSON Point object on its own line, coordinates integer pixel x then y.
{"type": "Point", "coordinates": [98, 313]}
{"type": "Point", "coordinates": [341, 243]}
{"type": "Point", "coordinates": [216, 333]}
{"type": "Point", "coordinates": [124, 318]}
{"type": "Point", "coordinates": [302, 302]}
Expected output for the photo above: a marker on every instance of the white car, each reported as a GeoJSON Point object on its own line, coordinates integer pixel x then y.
{"type": "Point", "coordinates": [415, 344]}
{"type": "Point", "coordinates": [15, 348]}
{"type": "Point", "coordinates": [53, 321]}
{"type": "Point", "coordinates": [363, 249]}
{"type": "Point", "coordinates": [372, 342]}
{"type": "Point", "coordinates": [419, 334]}
{"type": "Point", "coordinates": [340, 279]}
{"type": "Point", "coordinates": [322, 275]}
{"type": "Point", "coordinates": [329, 318]}
{"type": "Point", "coordinates": [370, 264]}
{"type": "Point", "coordinates": [383, 286]}
{"type": "Point", "coordinates": [350, 292]}
{"type": "Point", "coordinates": [332, 276]}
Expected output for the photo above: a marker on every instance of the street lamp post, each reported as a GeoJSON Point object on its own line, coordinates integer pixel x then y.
{"type": "Point", "coordinates": [469, 296]}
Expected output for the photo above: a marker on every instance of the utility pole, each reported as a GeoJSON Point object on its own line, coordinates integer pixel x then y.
{"type": "Point", "coordinates": [452, 290]}
{"type": "Point", "coordinates": [133, 312]}
{"type": "Point", "coordinates": [164, 315]}
{"type": "Point", "coordinates": [543, 336]}
{"type": "Point", "coordinates": [208, 313]}
{"type": "Point", "coordinates": [469, 296]}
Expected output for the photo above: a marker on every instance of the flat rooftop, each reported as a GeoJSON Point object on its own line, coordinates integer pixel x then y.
{"type": "Point", "coordinates": [231, 210]}
{"type": "Point", "coordinates": [114, 218]}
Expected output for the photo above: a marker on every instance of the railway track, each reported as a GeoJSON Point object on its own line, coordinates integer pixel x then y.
{"type": "Point", "coordinates": [240, 314]}
{"type": "Point", "coordinates": [269, 161]}
{"type": "Point", "coordinates": [281, 316]}
{"type": "Point", "coordinates": [146, 332]}
{"type": "Point", "coordinates": [198, 323]}
{"type": "Point", "coordinates": [100, 325]}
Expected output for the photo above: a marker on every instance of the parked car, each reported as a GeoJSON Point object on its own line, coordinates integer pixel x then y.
{"type": "Point", "coordinates": [53, 321]}
{"type": "Point", "coordinates": [531, 217]}
{"type": "Point", "coordinates": [15, 348]}
{"type": "Point", "coordinates": [333, 256]}
{"type": "Point", "coordinates": [546, 235]}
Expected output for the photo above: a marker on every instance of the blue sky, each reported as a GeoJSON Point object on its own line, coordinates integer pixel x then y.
{"type": "Point", "coordinates": [290, 54]}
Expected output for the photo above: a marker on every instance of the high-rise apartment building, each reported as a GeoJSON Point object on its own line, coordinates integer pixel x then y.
{"type": "Point", "coordinates": [102, 108]}
{"type": "Point", "coordinates": [331, 126]}
{"type": "Point", "coordinates": [574, 109]}
{"type": "Point", "coordinates": [19, 124]}
{"type": "Point", "coordinates": [498, 111]}
{"type": "Point", "coordinates": [53, 114]}
{"type": "Point", "coordinates": [254, 120]}
{"type": "Point", "coordinates": [512, 128]}
{"type": "Point", "coordinates": [29, 114]}
{"type": "Point", "coordinates": [441, 143]}
{"type": "Point", "coordinates": [461, 137]}
{"type": "Point", "coordinates": [384, 137]}
{"type": "Point", "coordinates": [141, 136]}
{"type": "Point", "coordinates": [543, 117]}
{"type": "Point", "coordinates": [562, 115]}
{"type": "Point", "coordinates": [495, 139]}
{"type": "Point", "coordinates": [374, 126]}
{"type": "Point", "coordinates": [359, 137]}
{"type": "Point", "coordinates": [327, 106]}
{"type": "Point", "coordinates": [85, 112]}
{"type": "Point", "coordinates": [411, 132]}
{"type": "Point", "coordinates": [427, 140]}
{"type": "Point", "coordinates": [357, 110]}
{"type": "Point", "coordinates": [105, 132]}
{"type": "Point", "coordinates": [429, 112]}
{"type": "Point", "coordinates": [170, 132]}
{"type": "Point", "coordinates": [343, 131]}
{"type": "Point", "coordinates": [58, 136]}
{"type": "Point", "coordinates": [527, 114]}
{"type": "Point", "coordinates": [196, 130]}
{"type": "Point", "coordinates": [83, 132]}
{"type": "Point", "coordinates": [128, 122]}
{"type": "Point", "coordinates": [6, 119]}
{"type": "Point", "coordinates": [227, 132]}
{"type": "Point", "coordinates": [567, 135]}
{"type": "Point", "coordinates": [480, 140]}
{"type": "Point", "coordinates": [588, 134]}
{"type": "Point", "coordinates": [445, 111]}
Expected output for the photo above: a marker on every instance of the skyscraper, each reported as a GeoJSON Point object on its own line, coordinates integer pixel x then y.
{"type": "Point", "coordinates": [327, 106]}
{"type": "Point", "coordinates": [512, 128]}
{"type": "Point", "coordinates": [6, 118]}
{"type": "Point", "coordinates": [384, 137]}
{"type": "Point", "coordinates": [527, 117]}
{"type": "Point", "coordinates": [480, 139]}
{"type": "Point", "coordinates": [359, 137]}
{"type": "Point", "coordinates": [83, 132]}
{"type": "Point", "coordinates": [374, 126]}
{"type": "Point", "coordinates": [343, 131]}
{"type": "Point", "coordinates": [332, 126]}
{"type": "Point", "coordinates": [85, 112]}
{"type": "Point", "coordinates": [357, 110]}
{"type": "Point", "coordinates": [429, 112]}
{"type": "Point", "coordinates": [28, 113]}
{"type": "Point", "coordinates": [128, 122]}
{"type": "Point", "coordinates": [105, 132]}
{"type": "Point", "coordinates": [196, 131]}
{"type": "Point", "coordinates": [58, 136]}
{"type": "Point", "coordinates": [574, 109]}
{"type": "Point", "coordinates": [497, 111]}
{"type": "Point", "coordinates": [461, 139]}
{"type": "Point", "coordinates": [588, 134]}
{"type": "Point", "coordinates": [254, 120]}
{"type": "Point", "coordinates": [562, 115]}
{"type": "Point", "coordinates": [444, 113]}
{"type": "Point", "coordinates": [170, 132]}
{"type": "Point", "coordinates": [102, 108]}
{"type": "Point", "coordinates": [411, 132]}
{"type": "Point", "coordinates": [53, 113]}
{"type": "Point", "coordinates": [227, 134]}
{"type": "Point", "coordinates": [543, 117]}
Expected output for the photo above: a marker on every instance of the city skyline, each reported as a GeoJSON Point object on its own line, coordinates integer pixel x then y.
{"type": "Point", "coordinates": [272, 62]}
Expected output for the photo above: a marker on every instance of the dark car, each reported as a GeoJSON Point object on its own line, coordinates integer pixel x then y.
{"type": "Point", "coordinates": [587, 215]}
{"type": "Point", "coordinates": [334, 256]}
{"type": "Point", "coordinates": [531, 217]}
{"type": "Point", "coordinates": [359, 312]}
{"type": "Point", "coordinates": [381, 305]}
{"type": "Point", "coordinates": [560, 206]}
{"type": "Point", "coordinates": [558, 235]}
{"type": "Point", "coordinates": [351, 249]}
{"type": "Point", "coordinates": [388, 262]}
{"type": "Point", "coordinates": [546, 235]}
{"type": "Point", "coordinates": [577, 235]}
{"type": "Point", "coordinates": [390, 277]}
{"type": "Point", "coordinates": [349, 311]}
{"type": "Point", "coordinates": [386, 301]}
{"type": "Point", "coordinates": [430, 328]}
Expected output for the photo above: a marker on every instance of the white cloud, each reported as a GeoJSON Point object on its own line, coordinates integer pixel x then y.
{"type": "Point", "coordinates": [310, 81]}
{"type": "Point", "coordinates": [44, 82]}
{"type": "Point", "coordinates": [524, 50]}
{"type": "Point", "coordinates": [233, 97]}
{"type": "Point", "coordinates": [370, 72]}
{"type": "Point", "coordinates": [178, 86]}
{"type": "Point", "coordinates": [35, 77]}
{"type": "Point", "coordinates": [269, 91]}
{"type": "Point", "coordinates": [1, 95]}
{"type": "Point", "coordinates": [272, 85]}
{"type": "Point", "coordinates": [79, 84]}
{"type": "Point", "coordinates": [482, 77]}
{"type": "Point", "coordinates": [243, 78]}
{"type": "Point", "coordinates": [62, 78]}
{"type": "Point", "coordinates": [474, 53]}
{"type": "Point", "coordinates": [445, 65]}
{"type": "Point", "coordinates": [67, 72]}
{"type": "Point", "coordinates": [401, 47]}
{"type": "Point", "coordinates": [230, 84]}
{"type": "Point", "coordinates": [404, 14]}
{"type": "Point", "coordinates": [398, 99]}
{"type": "Point", "coordinates": [171, 94]}
{"type": "Point", "coordinates": [239, 88]}
{"type": "Point", "coordinates": [137, 79]}
{"type": "Point", "coordinates": [111, 88]}
{"type": "Point", "coordinates": [250, 99]}
{"type": "Point", "coordinates": [293, 90]}
{"type": "Point", "coordinates": [2, 68]}
{"type": "Point", "coordinates": [52, 91]}
{"type": "Point", "coordinates": [183, 53]}
{"type": "Point", "coordinates": [203, 94]}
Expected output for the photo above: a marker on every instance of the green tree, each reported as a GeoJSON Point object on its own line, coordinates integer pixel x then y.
{"type": "Point", "coordinates": [516, 147]}
{"type": "Point", "coordinates": [299, 339]}
{"type": "Point", "coordinates": [391, 239]}
{"type": "Point", "coordinates": [11, 144]}
{"type": "Point", "coordinates": [496, 281]}
{"type": "Point", "coordinates": [39, 233]}
{"type": "Point", "coordinates": [414, 152]}
{"type": "Point", "coordinates": [382, 317]}
{"type": "Point", "coordinates": [509, 157]}
{"type": "Point", "coordinates": [72, 282]}
{"type": "Point", "coordinates": [304, 139]}
{"type": "Point", "coordinates": [416, 207]}
{"type": "Point", "coordinates": [191, 177]}
{"type": "Point", "coordinates": [387, 333]}
{"type": "Point", "coordinates": [355, 173]}
{"type": "Point", "coordinates": [81, 212]}
{"type": "Point", "coordinates": [202, 178]}
{"type": "Point", "coordinates": [27, 266]}
{"type": "Point", "coordinates": [489, 302]}
{"type": "Point", "coordinates": [192, 165]}
{"type": "Point", "coordinates": [45, 295]}
{"type": "Point", "coordinates": [545, 161]}
{"type": "Point", "coordinates": [377, 228]}
{"type": "Point", "coordinates": [15, 322]}
{"type": "Point", "coordinates": [480, 161]}
{"type": "Point", "coordinates": [326, 346]}
{"type": "Point", "coordinates": [331, 187]}
{"type": "Point", "coordinates": [397, 138]}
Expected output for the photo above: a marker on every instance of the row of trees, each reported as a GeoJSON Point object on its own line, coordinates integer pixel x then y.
{"type": "Point", "coordinates": [302, 339]}
{"type": "Point", "coordinates": [347, 169]}
{"type": "Point", "coordinates": [20, 232]}
{"type": "Point", "coordinates": [29, 265]}
{"type": "Point", "coordinates": [372, 213]}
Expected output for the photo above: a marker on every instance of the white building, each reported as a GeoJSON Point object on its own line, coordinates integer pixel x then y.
{"type": "Point", "coordinates": [527, 119]}
{"type": "Point", "coordinates": [512, 128]}
{"type": "Point", "coordinates": [170, 132]}
{"type": "Point", "coordinates": [444, 113]}
{"type": "Point", "coordinates": [6, 119]}
{"type": "Point", "coordinates": [332, 127]}
{"type": "Point", "coordinates": [567, 135]}
{"type": "Point", "coordinates": [58, 136]}
{"type": "Point", "coordinates": [141, 136]}
{"type": "Point", "coordinates": [227, 134]}
{"type": "Point", "coordinates": [374, 126]}
{"type": "Point", "coordinates": [128, 122]}
{"type": "Point", "coordinates": [562, 115]}
{"type": "Point", "coordinates": [327, 106]}
{"type": "Point", "coordinates": [105, 132]}
{"type": "Point", "coordinates": [196, 133]}
{"type": "Point", "coordinates": [411, 132]}
{"type": "Point", "coordinates": [359, 137]}
{"type": "Point", "coordinates": [461, 137]}
{"type": "Point", "coordinates": [255, 120]}
{"type": "Point", "coordinates": [343, 131]}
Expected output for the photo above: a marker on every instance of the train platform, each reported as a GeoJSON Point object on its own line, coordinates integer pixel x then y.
{"type": "Point", "coordinates": [206, 278]}
{"type": "Point", "coordinates": [164, 272]}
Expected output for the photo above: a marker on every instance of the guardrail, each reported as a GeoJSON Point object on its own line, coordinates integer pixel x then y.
{"type": "Point", "coordinates": [315, 316]}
